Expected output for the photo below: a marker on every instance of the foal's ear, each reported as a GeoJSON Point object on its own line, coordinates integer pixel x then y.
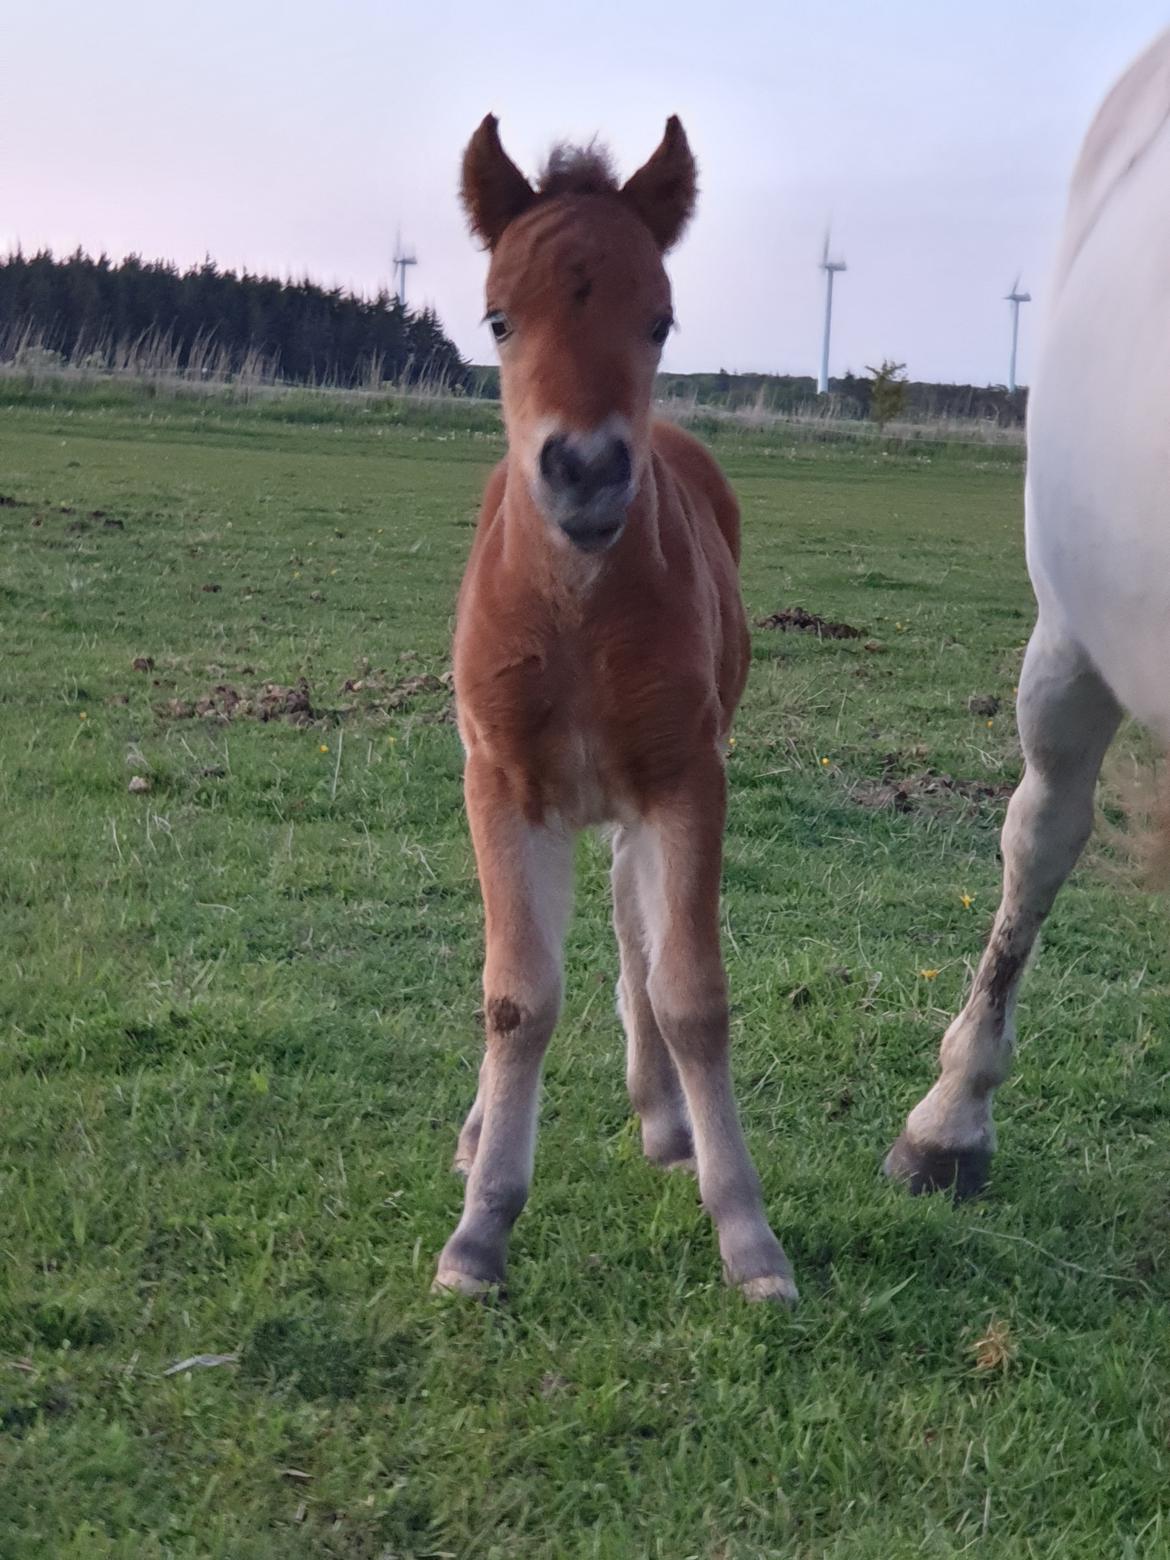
{"type": "Point", "coordinates": [494, 190]}
{"type": "Point", "coordinates": [663, 190]}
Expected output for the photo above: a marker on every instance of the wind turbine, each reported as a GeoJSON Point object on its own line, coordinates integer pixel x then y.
{"type": "Point", "coordinates": [401, 260]}
{"type": "Point", "coordinates": [830, 268]}
{"type": "Point", "coordinates": [1015, 297]}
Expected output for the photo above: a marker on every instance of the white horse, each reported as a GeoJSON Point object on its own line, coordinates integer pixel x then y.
{"type": "Point", "coordinates": [1098, 541]}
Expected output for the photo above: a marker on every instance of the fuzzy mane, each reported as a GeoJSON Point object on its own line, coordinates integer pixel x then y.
{"type": "Point", "coordinates": [578, 170]}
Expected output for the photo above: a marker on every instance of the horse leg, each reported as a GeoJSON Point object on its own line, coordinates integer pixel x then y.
{"type": "Point", "coordinates": [679, 850]}
{"type": "Point", "coordinates": [468, 1144]}
{"type": "Point", "coordinates": [525, 873]}
{"type": "Point", "coordinates": [1067, 719]}
{"type": "Point", "coordinates": [651, 1076]}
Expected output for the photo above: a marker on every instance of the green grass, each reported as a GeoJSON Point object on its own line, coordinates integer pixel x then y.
{"type": "Point", "coordinates": [238, 1034]}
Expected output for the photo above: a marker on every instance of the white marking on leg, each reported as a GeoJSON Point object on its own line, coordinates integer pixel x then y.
{"type": "Point", "coordinates": [651, 1076]}
{"type": "Point", "coordinates": [526, 874]}
{"type": "Point", "coordinates": [679, 895]}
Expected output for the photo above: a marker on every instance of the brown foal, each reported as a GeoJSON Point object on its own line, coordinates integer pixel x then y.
{"type": "Point", "coordinates": [600, 651]}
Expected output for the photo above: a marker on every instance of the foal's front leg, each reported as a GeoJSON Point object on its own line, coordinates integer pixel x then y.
{"type": "Point", "coordinates": [525, 873]}
{"type": "Point", "coordinates": [679, 855]}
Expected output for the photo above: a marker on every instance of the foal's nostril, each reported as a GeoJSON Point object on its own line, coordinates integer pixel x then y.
{"type": "Point", "coordinates": [581, 474]}
{"type": "Point", "coordinates": [560, 466]}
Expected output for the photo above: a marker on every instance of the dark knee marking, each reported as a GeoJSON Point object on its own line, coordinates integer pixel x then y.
{"type": "Point", "coordinates": [1003, 971]}
{"type": "Point", "coordinates": [921, 1167]}
{"type": "Point", "coordinates": [503, 1015]}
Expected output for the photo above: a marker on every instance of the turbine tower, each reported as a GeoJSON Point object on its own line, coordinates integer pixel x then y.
{"type": "Point", "coordinates": [1015, 297]}
{"type": "Point", "coordinates": [401, 260]}
{"type": "Point", "coordinates": [830, 268]}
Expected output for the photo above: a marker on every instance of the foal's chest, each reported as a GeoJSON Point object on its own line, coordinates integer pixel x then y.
{"type": "Point", "coordinates": [588, 727]}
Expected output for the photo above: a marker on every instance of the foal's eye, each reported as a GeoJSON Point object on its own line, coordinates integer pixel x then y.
{"type": "Point", "coordinates": [661, 329]}
{"type": "Point", "coordinates": [500, 326]}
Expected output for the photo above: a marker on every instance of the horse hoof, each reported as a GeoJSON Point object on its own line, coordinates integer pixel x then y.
{"type": "Point", "coordinates": [919, 1167]}
{"type": "Point", "coordinates": [450, 1281]}
{"type": "Point", "coordinates": [776, 1287]}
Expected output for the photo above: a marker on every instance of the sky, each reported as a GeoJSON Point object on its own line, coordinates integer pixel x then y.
{"type": "Point", "coordinates": [936, 136]}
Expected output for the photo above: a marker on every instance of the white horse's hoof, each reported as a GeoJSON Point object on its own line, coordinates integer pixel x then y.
{"type": "Point", "coordinates": [775, 1287]}
{"type": "Point", "coordinates": [450, 1281]}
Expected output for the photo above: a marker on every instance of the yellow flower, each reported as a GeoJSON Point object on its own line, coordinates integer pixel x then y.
{"type": "Point", "coordinates": [991, 723]}
{"type": "Point", "coordinates": [966, 900]}
{"type": "Point", "coordinates": [324, 748]}
{"type": "Point", "coordinates": [825, 762]}
{"type": "Point", "coordinates": [82, 715]}
{"type": "Point", "coordinates": [929, 974]}
{"type": "Point", "coordinates": [731, 742]}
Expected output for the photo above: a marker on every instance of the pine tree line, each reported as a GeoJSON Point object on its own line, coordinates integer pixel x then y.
{"type": "Point", "coordinates": [96, 312]}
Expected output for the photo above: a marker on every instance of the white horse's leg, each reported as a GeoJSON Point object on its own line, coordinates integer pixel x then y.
{"type": "Point", "coordinates": [651, 1076]}
{"type": "Point", "coordinates": [1067, 719]}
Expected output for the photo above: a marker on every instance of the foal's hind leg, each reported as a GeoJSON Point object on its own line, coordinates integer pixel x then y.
{"type": "Point", "coordinates": [525, 872]}
{"type": "Point", "coordinates": [651, 1076]}
{"type": "Point", "coordinates": [1067, 719]}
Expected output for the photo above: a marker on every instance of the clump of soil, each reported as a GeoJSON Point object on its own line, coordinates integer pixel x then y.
{"type": "Point", "coordinates": [797, 620]}
{"type": "Point", "coordinates": [294, 703]}
{"type": "Point", "coordinates": [983, 704]}
{"type": "Point", "coordinates": [920, 792]}
{"type": "Point", "coordinates": [274, 701]}
{"type": "Point", "coordinates": [390, 696]}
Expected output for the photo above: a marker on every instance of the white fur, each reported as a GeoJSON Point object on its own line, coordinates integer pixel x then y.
{"type": "Point", "coordinates": [1098, 543]}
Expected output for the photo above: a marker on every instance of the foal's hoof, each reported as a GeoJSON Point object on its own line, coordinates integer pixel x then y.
{"type": "Point", "coordinates": [777, 1287]}
{"type": "Point", "coordinates": [963, 1172]}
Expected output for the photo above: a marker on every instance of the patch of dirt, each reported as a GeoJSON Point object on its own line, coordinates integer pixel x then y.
{"type": "Point", "coordinates": [797, 620]}
{"type": "Point", "coordinates": [920, 792]}
{"type": "Point", "coordinates": [274, 701]}
{"type": "Point", "coordinates": [143, 663]}
{"type": "Point", "coordinates": [983, 704]}
{"type": "Point", "coordinates": [294, 703]}
{"type": "Point", "coordinates": [391, 696]}
{"type": "Point", "coordinates": [8, 502]}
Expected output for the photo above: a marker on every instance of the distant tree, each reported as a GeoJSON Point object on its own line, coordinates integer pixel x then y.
{"type": "Point", "coordinates": [887, 394]}
{"type": "Point", "coordinates": [91, 310]}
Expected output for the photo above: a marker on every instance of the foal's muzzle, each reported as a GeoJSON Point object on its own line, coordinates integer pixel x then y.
{"type": "Point", "coordinates": [586, 486]}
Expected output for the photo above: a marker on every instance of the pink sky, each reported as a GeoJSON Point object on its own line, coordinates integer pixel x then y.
{"type": "Point", "coordinates": [293, 138]}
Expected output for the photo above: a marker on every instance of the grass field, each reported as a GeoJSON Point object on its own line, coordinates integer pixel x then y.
{"type": "Point", "coordinates": [238, 1032]}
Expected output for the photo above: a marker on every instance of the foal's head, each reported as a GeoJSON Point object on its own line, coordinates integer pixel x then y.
{"type": "Point", "coordinates": [579, 303]}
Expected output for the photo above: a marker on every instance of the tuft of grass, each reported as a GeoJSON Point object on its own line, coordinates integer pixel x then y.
{"type": "Point", "coordinates": [238, 1033]}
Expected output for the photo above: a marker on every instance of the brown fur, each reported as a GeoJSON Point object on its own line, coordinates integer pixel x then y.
{"type": "Point", "coordinates": [598, 687]}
